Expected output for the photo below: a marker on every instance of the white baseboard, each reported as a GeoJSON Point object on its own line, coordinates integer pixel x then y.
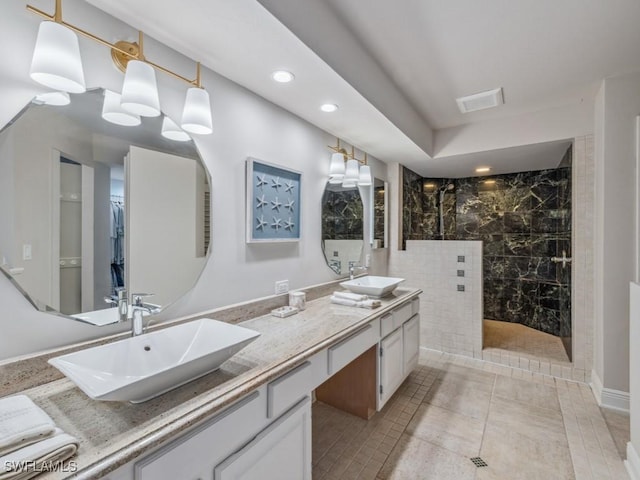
{"type": "Point", "coordinates": [608, 397]}
{"type": "Point", "coordinates": [632, 463]}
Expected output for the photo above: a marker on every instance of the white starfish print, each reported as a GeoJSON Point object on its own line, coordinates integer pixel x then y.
{"type": "Point", "coordinates": [275, 183]}
{"type": "Point", "coordinates": [276, 204]}
{"type": "Point", "coordinates": [288, 225]}
{"type": "Point", "coordinates": [262, 180]}
{"type": "Point", "coordinates": [261, 201]}
{"type": "Point", "coordinates": [289, 205]}
{"type": "Point", "coordinates": [261, 223]}
{"type": "Point", "coordinates": [289, 186]}
{"type": "Point", "coordinates": [276, 223]}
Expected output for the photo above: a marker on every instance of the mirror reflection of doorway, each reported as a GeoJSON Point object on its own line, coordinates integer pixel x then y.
{"type": "Point", "coordinates": [76, 184]}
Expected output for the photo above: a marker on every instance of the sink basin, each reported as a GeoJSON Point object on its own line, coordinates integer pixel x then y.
{"type": "Point", "coordinates": [140, 368]}
{"type": "Point", "coordinates": [372, 286]}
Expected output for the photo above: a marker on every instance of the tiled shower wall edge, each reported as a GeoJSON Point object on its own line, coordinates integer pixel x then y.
{"type": "Point", "coordinates": [583, 205]}
{"type": "Point", "coordinates": [450, 276]}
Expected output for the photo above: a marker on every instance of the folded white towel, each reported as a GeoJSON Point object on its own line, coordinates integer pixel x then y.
{"type": "Point", "coordinates": [353, 303]}
{"type": "Point", "coordinates": [22, 423]}
{"type": "Point", "coordinates": [39, 457]}
{"type": "Point", "coordinates": [351, 296]}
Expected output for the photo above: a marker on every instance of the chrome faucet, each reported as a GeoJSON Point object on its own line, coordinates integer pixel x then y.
{"type": "Point", "coordinates": [121, 303]}
{"type": "Point", "coordinates": [352, 269]}
{"type": "Point", "coordinates": [138, 307]}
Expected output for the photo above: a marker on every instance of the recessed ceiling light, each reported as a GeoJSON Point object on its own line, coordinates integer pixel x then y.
{"type": "Point", "coordinates": [282, 76]}
{"type": "Point", "coordinates": [483, 169]}
{"type": "Point", "coordinates": [329, 107]}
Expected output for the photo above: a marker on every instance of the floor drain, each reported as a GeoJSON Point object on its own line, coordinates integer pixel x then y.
{"type": "Point", "coordinates": [479, 462]}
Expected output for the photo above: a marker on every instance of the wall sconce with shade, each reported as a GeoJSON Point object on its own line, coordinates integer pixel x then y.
{"type": "Point", "coordinates": [348, 170]}
{"type": "Point", "coordinates": [57, 64]}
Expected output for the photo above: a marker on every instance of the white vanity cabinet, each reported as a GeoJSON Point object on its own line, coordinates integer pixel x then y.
{"type": "Point", "coordinates": [391, 365]}
{"type": "Point", "coordinates": [399, 349]}
{"type": "Point", "coordinates": [280, 452]}
{"type": "Point", "coordinates": [267, 434]}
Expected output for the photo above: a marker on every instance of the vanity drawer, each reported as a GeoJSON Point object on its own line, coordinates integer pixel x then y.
{"type": "Point", "coordinates": [415, 305]}
{"type": "Point", "coordinates": [288, 389]}
{"type": "Point", "coordinates": [351, 347]}
{"type": "Point", "coordinates": [386, 324]}
{"type": "Point", "coordinates": [195, 454]}
{"type": "Point", "coordinates": [402, 314]}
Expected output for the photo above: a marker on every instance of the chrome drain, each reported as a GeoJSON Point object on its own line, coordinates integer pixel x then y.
{"type": "Point", "coordinates": [479, 462]}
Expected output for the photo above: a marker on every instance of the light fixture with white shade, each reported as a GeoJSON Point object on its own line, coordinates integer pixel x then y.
{"type": "Point", "coordinates": [56, 61]}
{"type": "Point", "coordinates": [57, 64]}
{"type": "Point", "coordinates": [196, 116]}
{"type": "Point", "coordinates": [352, 174]}
{"type": "Point", "coordinates": [364, 180]}
{"type": "Point", "coordinates": [336, 168]}
{"type": "Point", "coordinates": [172, 131]}
{"type": "Point", "coordinates": [113, 112]}
{"type": "Point", "coordinates": [140, 90]}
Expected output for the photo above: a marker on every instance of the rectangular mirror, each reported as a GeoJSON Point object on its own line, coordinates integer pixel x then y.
{"type": "Point", "coordinates": [380, 193]}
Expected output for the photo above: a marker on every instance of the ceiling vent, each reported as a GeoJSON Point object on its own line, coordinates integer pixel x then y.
{"type": "Point", "coordinates": [480, 101]}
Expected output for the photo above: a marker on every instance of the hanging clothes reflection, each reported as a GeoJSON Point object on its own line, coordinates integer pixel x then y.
{"type": "Point", "coordinates": [117, 243]}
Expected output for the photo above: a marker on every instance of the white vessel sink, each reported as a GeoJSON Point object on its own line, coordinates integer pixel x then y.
{"type": "Point", "coordinates": [372, 286]}
{"type": "Point", "coordinates": [139, 368]}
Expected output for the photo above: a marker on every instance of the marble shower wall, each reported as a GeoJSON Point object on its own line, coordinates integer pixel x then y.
{"type": "Point", "coordinates": [523, 219]}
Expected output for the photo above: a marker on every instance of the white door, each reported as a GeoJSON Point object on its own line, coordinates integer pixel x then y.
{"type": "Point", "coordinates": [282, 451]}
{"type": "Point", "coordinates": [411, 342]}
{"type": "Point", "coordinates": [391, 365]}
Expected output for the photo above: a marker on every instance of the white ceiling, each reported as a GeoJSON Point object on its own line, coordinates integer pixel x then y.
{"type": "Point", "coordinates": [540, 156]}
{"type": "Point", "coordinates": [544, 53]}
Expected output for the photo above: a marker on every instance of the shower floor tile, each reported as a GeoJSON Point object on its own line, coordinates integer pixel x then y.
{"type": "Point", "coordinates": [525, 341]}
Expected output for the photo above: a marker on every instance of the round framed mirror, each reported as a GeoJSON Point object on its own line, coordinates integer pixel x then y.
{"type": "Point", "coordinates": [88, 208]}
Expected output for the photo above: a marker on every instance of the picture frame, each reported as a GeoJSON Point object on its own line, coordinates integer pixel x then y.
{"type": "Point", "coordinates": [273, 203]}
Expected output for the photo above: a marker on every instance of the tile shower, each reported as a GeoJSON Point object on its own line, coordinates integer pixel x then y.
{"type": "Point", "coordinates": [523, 219]}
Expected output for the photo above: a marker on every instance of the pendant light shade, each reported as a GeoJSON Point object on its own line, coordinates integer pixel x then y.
{"type": "Point", "coordinates": [172, 131]}
{"type": "Point", "coordinates": [365, 176]}
{"type": "Point", "coordinates": [351, 175]}
{"type": "Point", "coordinates": [196, 116]}
{"type": "Point", "coordinates": [139, 90]}
{"type": "Point", "coordinates": [336, 168]}
{"type": "Point", "coordinates": [56, 61]}
{"type": "Point", "coordinates": [114, 113]}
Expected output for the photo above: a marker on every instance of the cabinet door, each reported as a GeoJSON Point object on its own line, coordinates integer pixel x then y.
{"type": "Point", "coordinates": [282, 451]}
{"type": "Point", "coordinates": [391, 365]}
{"type": "Point", "coordinates": [411, 341]}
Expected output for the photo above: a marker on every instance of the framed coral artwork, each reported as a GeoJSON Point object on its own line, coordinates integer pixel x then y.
{"type": "Point", "coordinates": [273, 203]}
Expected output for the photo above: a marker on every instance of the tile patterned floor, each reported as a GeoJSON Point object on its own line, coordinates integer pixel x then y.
{"type": "Point", "coordinates": [523, 425]}
{"type": "Point", "coordinates": [528, 342]}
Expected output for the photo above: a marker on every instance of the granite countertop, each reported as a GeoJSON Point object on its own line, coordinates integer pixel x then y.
{"type": "Point", "coordinates": [114, 433]}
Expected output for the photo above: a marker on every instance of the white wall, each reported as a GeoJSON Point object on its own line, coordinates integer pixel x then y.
{"type": "Point", "coordinates": [245, 125]}
{"type": "Point", "coordinates": [536, 127]}
{"type": "Point", "coordinates": [618, 104]}
{"type": "Point", "coordinates": [633, 447]}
